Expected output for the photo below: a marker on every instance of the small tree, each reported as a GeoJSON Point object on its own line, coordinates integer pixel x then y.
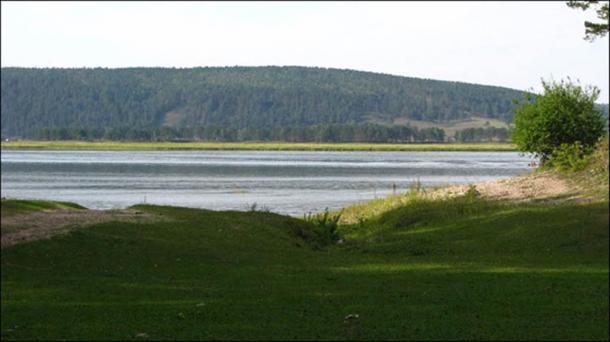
{"type": "Point", "coordinates": [564, 114]}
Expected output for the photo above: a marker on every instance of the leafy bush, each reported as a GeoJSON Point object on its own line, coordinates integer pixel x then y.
{"type": "Point", "coordinates": [570, 157]}
{"type": "Point", "coordinates": [564, 114]}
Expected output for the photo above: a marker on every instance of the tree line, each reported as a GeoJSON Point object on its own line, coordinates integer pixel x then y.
{"type": "Point", "coordinates": [332, 133]}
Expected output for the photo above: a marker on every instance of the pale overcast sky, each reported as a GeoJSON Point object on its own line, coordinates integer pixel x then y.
{"type": "Point", "coordinates": [511, 44]}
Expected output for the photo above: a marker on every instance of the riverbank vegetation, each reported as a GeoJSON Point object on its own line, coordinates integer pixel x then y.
{"type": "Point", "coordinates": [271, 146]}
{"type": "Point", "coordinates": [332, 133]}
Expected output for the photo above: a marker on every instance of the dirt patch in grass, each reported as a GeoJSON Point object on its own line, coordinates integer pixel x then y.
{"type": "Point", "coordinates": [44, 224]}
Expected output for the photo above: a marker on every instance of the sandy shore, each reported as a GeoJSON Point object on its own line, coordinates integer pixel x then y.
{"type": "Point", "coordinates": [532, 187]}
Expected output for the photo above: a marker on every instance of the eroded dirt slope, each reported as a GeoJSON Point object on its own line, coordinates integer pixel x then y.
{"type": "Point", "coordinates": [47, 223]}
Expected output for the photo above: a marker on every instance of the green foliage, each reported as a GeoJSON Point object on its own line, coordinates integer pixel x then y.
{"type": "Point", "coordinates": [569, 157]}
{"type": "Point", "coordinates": [232, 103]}
{"type": "Point", "coordinates": [327, 225]}
{"type": "Point", "coordinates": [588, 170]}
{"type": "Point", "coordinates": [594, 30]}
{"type": "Point", "coordinates": [482, 134]}
{"type": "Point", "coordinates": [332, 133]}
{"type": "Point", "coordinates": [598, 161]}
{"type": "Point", "coordinates": [564, 114]}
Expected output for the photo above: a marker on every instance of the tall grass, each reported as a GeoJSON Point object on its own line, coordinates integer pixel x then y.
{"type": "Point", "coordinates": [592, 172]}
{"type": "Point", "coordinates": [326, 225]}
{"type": "Point", "coordinates": [361, 212]}
{"type": "Point", "coordinates": [421, 210]}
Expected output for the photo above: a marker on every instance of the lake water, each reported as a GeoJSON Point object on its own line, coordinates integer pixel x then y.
{"type": "Point", "coordinates": [284, 182]}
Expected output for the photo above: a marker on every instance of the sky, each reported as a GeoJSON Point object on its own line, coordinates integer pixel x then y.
{"type": "Point", "coordinates": [510, 44]}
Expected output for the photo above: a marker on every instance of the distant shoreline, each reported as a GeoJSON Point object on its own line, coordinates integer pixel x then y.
{"type": "Point", "coordinates": [248, 146]}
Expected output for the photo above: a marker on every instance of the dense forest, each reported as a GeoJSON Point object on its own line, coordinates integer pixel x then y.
{"type": "Point", "coordinates": [241, 103]}
{"type": "Point", "coordinates": [316, 133]}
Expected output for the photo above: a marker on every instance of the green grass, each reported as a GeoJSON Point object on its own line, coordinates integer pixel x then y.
{"type": "Point", "coordinates": [363, 211]}
{"type": "Point", "coordinates": [275, 146]}
{"type": "Point", "coordinates": [11, 207]}
{"type": "Point", "coordinates": [460, 268]}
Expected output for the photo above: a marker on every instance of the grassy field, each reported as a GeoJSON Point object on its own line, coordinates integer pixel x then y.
{"type": "Point", "coordinates": [461, 268]}
{"type": "Point", "coordinates": [275, 146]}
{"type": "Point", "coordinates": [451, 127]}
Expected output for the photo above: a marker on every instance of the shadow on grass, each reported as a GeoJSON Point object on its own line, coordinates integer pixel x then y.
{"type": "Point", "coordinates": [494, 273]}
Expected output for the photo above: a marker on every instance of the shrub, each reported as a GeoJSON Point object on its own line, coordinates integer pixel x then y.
{"type": "Point", "coordinates": [327, 224]}
{"type": "Point", "coordinates": [570, 157]}
{"type": "Point", "coordinates": [564, 114]}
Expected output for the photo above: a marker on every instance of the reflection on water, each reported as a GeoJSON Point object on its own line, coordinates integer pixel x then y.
{"type": "Point", "coordinates": [285, 182]}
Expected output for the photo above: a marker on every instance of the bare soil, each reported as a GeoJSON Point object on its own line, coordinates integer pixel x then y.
{"type": "Point", "coordinates": [47, 223]}
{"type": "Point", "coordinates": [542, 186]}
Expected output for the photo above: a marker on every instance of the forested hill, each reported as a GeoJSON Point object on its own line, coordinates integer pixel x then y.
{"type": "Point", "coordinates": [234, 98]}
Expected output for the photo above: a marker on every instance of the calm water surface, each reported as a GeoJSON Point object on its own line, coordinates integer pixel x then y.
{"type": "Point", "coordinates": [285, 182]}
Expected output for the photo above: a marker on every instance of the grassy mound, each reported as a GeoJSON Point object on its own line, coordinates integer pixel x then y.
{"type": "Point", "coordinates": [461, 268]}
{"type": "Point", "coordinates": [471, 226]}
{"type": "Point", "coordinates": [15, 206]}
